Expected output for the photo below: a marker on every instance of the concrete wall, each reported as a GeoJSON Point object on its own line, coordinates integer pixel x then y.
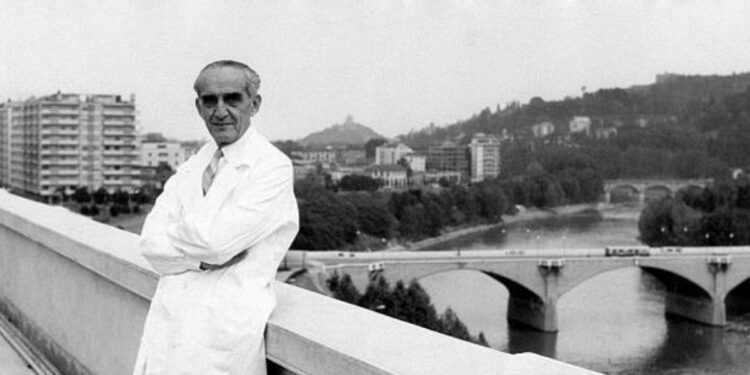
{"type": "Point", "coordinates": [80, 291]}
{"type": "Point", "coordinates": [76, 288]}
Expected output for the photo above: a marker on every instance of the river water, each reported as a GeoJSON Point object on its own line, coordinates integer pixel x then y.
{"type": "Point", "coordinates": [613, 323]}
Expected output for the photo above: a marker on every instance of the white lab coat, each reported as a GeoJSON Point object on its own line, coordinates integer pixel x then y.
{"type": "Point", "coordinates": [212, 322]}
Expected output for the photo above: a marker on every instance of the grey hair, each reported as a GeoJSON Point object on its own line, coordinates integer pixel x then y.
{"type": "Point", "coordinates": [252, 84]}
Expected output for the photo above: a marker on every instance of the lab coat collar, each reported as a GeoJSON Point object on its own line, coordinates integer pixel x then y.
{"type": "Point", "coordinates": [239, 153]}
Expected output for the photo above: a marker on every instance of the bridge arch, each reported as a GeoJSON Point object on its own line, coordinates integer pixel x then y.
{"type": "Point", "coordinates": [632, 189]}
{"type": "Point", "coordinates": [738, 296]}
{"type": "Point", "coordinates": [657, 192]}
{"type": "Point", "coordinates": [619, 190]}
{"type": "Point", "coordinates": [528, 305]}
{"type": "Point", "coordinates": [515, 288]}
{"type": "Point", "coordinates": [674, 282]}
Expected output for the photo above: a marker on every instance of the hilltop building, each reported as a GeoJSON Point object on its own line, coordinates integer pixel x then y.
{"type": "Point", "coordinates": [390, 154]}
{"type": "Point", "coordinates": [485, 157]}
{"type": "Point", "coordinates": [542, 129]}
{"type": "Point", "coordinates": [580, 124]}
{"type": "Point", "coordinates": [59, 142]}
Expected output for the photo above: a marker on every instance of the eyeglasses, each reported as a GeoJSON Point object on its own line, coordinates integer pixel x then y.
{"type": "Point", "coordinates": [232, 99]}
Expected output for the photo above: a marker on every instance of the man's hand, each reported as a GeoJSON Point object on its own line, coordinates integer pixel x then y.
{"type": "Point", "coordinates": [234, 260]}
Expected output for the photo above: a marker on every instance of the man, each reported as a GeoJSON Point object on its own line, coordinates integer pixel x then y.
{"type": "Point", "coordinates": [216, 235]}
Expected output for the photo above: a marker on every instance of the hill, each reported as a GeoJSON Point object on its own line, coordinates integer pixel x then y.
{"type": "Point", "coordinates": [689, 100]}
{"type": "Point", "coordinates": [679, 126]}
{"type": "Point", "coordinates": [348, 133]}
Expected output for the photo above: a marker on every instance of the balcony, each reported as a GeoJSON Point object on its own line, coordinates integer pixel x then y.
{"type": "Point", "coordinates": [59, 121]}
{"type": "Point", "coordinates": [58, 131]}
{"type": "Point", "coordinates": [60, 141]}
{"type": "Point", "coordinates": [119, 131]}
{"type": "Point", "coordinates": [118, 122]}
{"type": "Point", "coordinates": [124, 152]}
{"type": "Point", "coordinates": [61, 162]}
{"type": "Point", "coordinates": [119, 142]}
{"type": "Point", "coordinates": [60, 152]}
{"type": "Point", "coordinates": [52, 173]}
{"type": "Point", "coordinates": [68, 110]}
{"type": "Point", "coordinates": [58, 181]}
{"type": "Point", "coordinates": [80, 292]}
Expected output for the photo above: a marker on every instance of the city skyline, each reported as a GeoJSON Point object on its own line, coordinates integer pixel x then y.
{"type": "Point", "coordinates": [393, 65]}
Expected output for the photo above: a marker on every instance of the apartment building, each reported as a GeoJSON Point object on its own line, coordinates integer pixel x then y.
{"type": "Point", "coordinates": [485, 157]}
{"type": "Point", "coordinates": [448, 156]}
{"type": "Point", "coordinates": [170, 152]}
{"type": "Point", "coordinates": [63, 141]}
{"type": "Point", "coordinates": [9, 120]}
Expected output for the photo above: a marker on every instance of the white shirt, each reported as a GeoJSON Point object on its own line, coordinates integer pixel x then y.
{"type": "Point", "coordinates": [212, 322]}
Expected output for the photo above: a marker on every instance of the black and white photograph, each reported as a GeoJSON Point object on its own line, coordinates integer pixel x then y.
{"type": "Point", "coordinates": [411, 187]}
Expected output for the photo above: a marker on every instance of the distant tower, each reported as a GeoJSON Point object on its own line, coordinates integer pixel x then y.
{"type": "Point", "coordinates": [349, 119]}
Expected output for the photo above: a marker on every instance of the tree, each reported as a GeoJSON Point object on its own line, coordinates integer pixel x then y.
{"type": "Point", "coordinates": [411, 225]}
{"type": "Point", "coordinates": [452, 326]}
{"type": "Point", "coordinates": [371, 145]}
{"type": "Point", "coordinates": [121, 197]}
{"type": "Point", "coordinates": [372, 215]}
{"type": "Point", "coordinates": [325, 219]}
{"type": "Point", "coordinates": [377, 296]}
{"type": "Point", "coordinates": [163, 172]}
{"type": "Point", "coordinates": [356, 182]}
{"type": "Point", "coordinates": [405, 163]}
{"type": "Point", "coordinates": [81, 195]}
{"type": "Point", "coordinates": [410, 304]}
{"type": "Point", "coordinates": [101, 196]}
{"type": "Point", "coordinates": [492, 201]}
{"type": "Point", "coordinates": [343, 289]}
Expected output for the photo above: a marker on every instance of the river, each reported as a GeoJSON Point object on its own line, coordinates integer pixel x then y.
{"type": "Point", "coordinates": [613, 323]}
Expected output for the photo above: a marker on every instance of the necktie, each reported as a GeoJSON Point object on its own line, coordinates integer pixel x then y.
{"type": "Point", "coordinates": [210, 171]}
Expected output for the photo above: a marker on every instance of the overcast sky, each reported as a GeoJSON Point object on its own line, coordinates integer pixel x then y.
{"type": "Point", "coordinates": [392, 65]}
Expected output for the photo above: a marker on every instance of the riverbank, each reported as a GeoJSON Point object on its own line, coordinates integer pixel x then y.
{"type": "Point", "coordinates": [526, 215]}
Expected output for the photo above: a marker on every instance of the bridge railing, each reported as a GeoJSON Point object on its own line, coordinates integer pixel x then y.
{"type": "Point", "coordinates": [80, 292]}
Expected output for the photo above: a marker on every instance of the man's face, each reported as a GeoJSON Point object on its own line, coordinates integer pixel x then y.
{"type": "Point", "coordinates": [224, 104]}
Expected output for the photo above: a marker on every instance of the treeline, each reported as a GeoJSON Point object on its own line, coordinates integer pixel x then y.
{"type": "Point", "coordinates": [116, 203]}
{"type": "Point", "coordinates": [407, 303]}
{"type": "Point", "coordinates": [714, 216]}
{"type": "Point", "coordinates": [366, 219]}
{"type": "Point", "coordinates": [668, 151]}
{"type": "Point", "coordinates": [680, 127]}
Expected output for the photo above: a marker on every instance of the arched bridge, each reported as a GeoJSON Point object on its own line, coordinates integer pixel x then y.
{"type": "Point", "coordinates": [641, 188]}
{"type": "Point", "coordinates": [698, 281]}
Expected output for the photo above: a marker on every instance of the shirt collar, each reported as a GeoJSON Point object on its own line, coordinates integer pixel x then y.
{"type": "Point", "coordinates": [237, 153]}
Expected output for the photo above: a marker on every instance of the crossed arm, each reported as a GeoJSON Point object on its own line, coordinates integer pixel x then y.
{"type": "Point", "coordinates": [210, 238]}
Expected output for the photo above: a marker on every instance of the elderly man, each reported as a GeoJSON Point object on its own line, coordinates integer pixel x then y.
{"type": "Point", "coordinates": [216, 235]}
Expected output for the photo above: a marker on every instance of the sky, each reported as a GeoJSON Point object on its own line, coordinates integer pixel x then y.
{"type": "Point", "coordinates": [393, 65]}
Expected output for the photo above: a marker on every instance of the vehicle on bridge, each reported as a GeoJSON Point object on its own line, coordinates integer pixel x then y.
{"type": "Point", "coordinates": [627, 251]}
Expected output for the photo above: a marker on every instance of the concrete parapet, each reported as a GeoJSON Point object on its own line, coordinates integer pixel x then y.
{"type": "Point", "coordinates": [80, 292]}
